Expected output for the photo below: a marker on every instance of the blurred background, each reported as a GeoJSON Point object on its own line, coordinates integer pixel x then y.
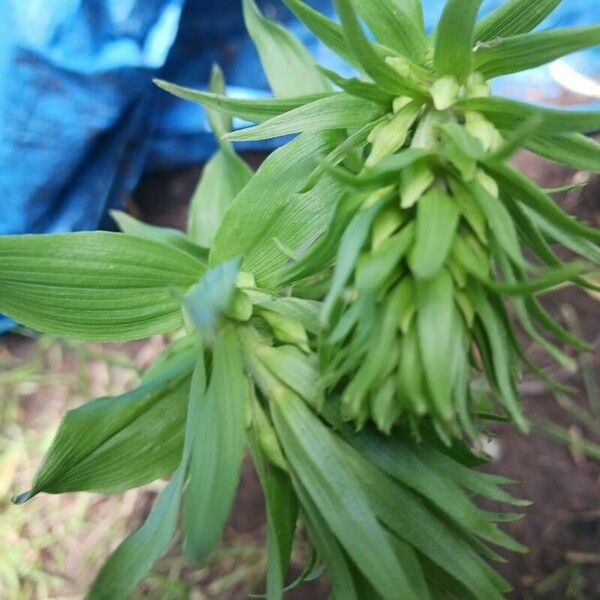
{"type": "Point", "coordinates": [83, 130]}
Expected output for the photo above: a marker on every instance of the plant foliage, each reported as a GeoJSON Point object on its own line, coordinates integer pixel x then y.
{"type": "Point", "coordinates": [334, 308]}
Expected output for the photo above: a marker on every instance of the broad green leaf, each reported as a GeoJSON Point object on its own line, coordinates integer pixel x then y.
{"type": "Point", "coordinates": [217, 451]}
{"type": "Point", "coordinates": [134, 557]}
{"type": "Point", "coordinates": [454, 39]}
{"type": "Point", "coordinates": [526, 192]}
{"type": "Point", "coordinates": [256, 110]}
{"type": "Point", "coordinates": [322, 469]}
{"type": "Point", "coordinates": [437, 219]}
{"type": "Point", "coordinates": [509, 114]}
{"type": "Point", "coordinates": [513, 17]}
{"type": "Point", "coordinates": [289, 67]}
{"type": "Point", "coordinates": [271, 208]}
{"type": "Point", "coordinates": [437, 328]}
{"type": "Point", "coordinates": [393, 24]}
{"type": "Point", "coordinates": [376, 67]}
{"type": "Point", "coordinates": [223, 178]}
{"type": "Point", "coordinates": [163, 235]}
{"type": "Point", "coordinates": [522, 52]}
{"type": "Point", "coordinates": [339, 111]}
{"type": "Point", "coordinates": [212, 296]}
{"type": "Point", "coordinates": [117, 443]}
{"type": "Point", "coordinates": [572, 149]}
{"type": "Point", "coordinates": [94, 286]}
{"type": "Point", "coordinates": [328, 31]}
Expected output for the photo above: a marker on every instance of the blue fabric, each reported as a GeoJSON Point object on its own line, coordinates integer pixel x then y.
{"type": "Point", "coordinates": [80, 119]}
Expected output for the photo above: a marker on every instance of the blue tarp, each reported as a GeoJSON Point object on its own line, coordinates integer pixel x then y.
{"type": "Point", "coordinates": [80, 119]}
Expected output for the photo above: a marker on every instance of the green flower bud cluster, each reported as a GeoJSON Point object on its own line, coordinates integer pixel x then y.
{"type": "Point", "coordinates": [421, 312]}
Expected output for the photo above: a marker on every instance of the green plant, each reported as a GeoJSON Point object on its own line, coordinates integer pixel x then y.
{"type": "Point", "coordinates": [333, 307]}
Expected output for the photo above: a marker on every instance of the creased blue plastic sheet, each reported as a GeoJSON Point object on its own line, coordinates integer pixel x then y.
{"type": "Point", "coordinates": [80, 119]}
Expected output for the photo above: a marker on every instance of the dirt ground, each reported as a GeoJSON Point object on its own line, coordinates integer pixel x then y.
{"type": "Point", "coordinates": [561, 528]}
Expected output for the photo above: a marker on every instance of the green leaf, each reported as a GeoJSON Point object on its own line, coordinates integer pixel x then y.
{"type": "Point", "coordinates": [358, 87]}
{"type": "Point", "coordinates": [328, 31]}
{"type": "Point", "coordinates": [351, 244]}
{"type": "Point", "coordinates": [454, 39]}
{"type": "Point", "coordinates": [394, 26]}
{"type": "Point", "coordinates": [282, 513]}
{"type": "Point", "coordinates": [514, 17]}
{"type": "Point", "coordinates": [322, 469]}
{"type": "Point", "coordinates": [117, 443]}
{"type": "Point", "coordinates": [502, 361]}
{"type": "Point", "coordinates": [437, 328]}
{"type": "Point", "coordinates": [572, 149]}
{"type": "Point", "coordinates": [397, 457]}
{"type": "Point", "coordinates": [375, 66]}
{"type": "Point", "coordinates": [330, 552]}
{"type": "Point", "coordinates": [256, 110]}
{"type": "Point", "coordinates": [525, 191]}
{"type": "Point", "coordinates": [223, 178]}
{"type": "Point", "coordinates": [437, 219]}
{"type": "Point", "coordinates": [339, 111]}
{"type": "Point", "coordinates": [217, 450]}
{"type": "Point", "coordinates": [94, 286]}
{"type": "Point", "coordinates": [134, 557]}
{"type": "Point", "coordinates": [408, 517]}
{"type": "Point", "coordinates": [499, 221]}
{"type": "Point", "coordinates": [509, 114]}
{"type": "Point", "coordinates": [289, 67]}
{"type": "Point", "coordinates": [292, 367]}
{"type": "Point", "coordinates": [163, 235]}
{"type": "Point", "coordinates": [220, 123]}
{"type": "Point", "coordinates": [522, 52]}
{"type": "Point", "coordinates": [271, 208]}
{"type": "Point", "coordinates": [304, 311]}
